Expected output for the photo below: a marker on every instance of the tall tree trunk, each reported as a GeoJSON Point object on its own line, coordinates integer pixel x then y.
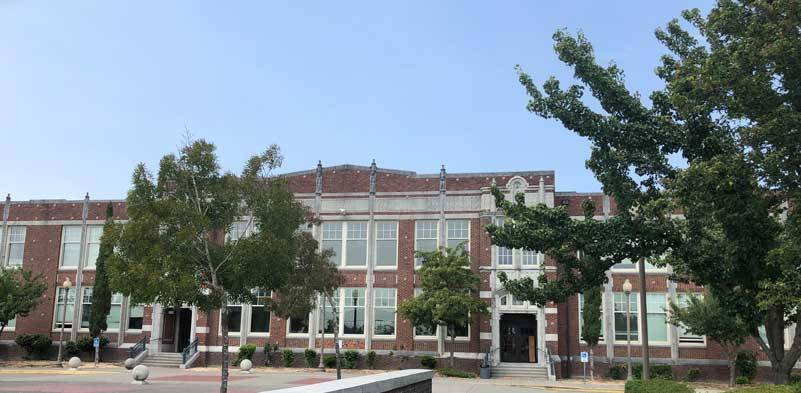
{"type": "Point", "coordinates": [2, 327]}
{"type": "Point", "coordinates": [781, 361]}
{"type": "Point", "coordinates": [224, 323]}
{"type": "Point", "coordinates": [453, 341]}
{"type": "Point", "coordinates": [646, 362]}
{"type": "Point", "coordinates": [336, 339]}
{"type": "Point", "coordinates": [592, 363]}
{"type": "Point", "coordinates": [732, 371]}
{"type": "Point", "coordinates": [322, 338]}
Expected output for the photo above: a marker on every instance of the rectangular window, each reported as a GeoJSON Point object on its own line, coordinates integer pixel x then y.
{"type": "Point", "coordinates": [86, 307]}
{"type": "Point", "coordinates": [530, 258]}
{"type": "Point", "coordinates": [327, 315]}
{"type": "Point", "coordinates": [16, 244]}
{"type": "Point", "coordinates": [581, 317]}
{"type": "Point", "coordinates": [353, 310]}
{"type": "Point", "coordinates": [504, 256]}
{"type": "Point", "coordinates": [356, 245]}
{"type": "Point", "coordinates": [136, 315]}
{"type": "Point", "coordinates": [458, 233]}
{"type": "Point", "coordinates": [238, 230]}
{"type": "Point", "coordinates": [65, 307]}
{"type": "Point", "coordinates": [386, 243]}
{"type": "Point", "coordinates": [424, 330]}
{"type": "Point", "coordinates": [298, 325]}
{"type": "Point", "coordinates": [657, 317]}
{"type": "Point", "coordinates": [234, 318]}
{"type": "Point", "coordinates": [384, 312]}
{"type": "Point", "coordinates": [11, 323]}
{"type": "Point", "coordinates": [115, 312]}
{"type": "Point", "coordinates": [332, 240]}
{"type": "Point", "coordinates": [683, 300]}
{"type": "Point", "coordinates": [461, 331]}
{"type": "Point", "coordinates": [259, 315]}
{"type": "Point", "coordinates": [426, 235]}
{"type": "Point", "coordinates": [94, 233]}
{"type": "Point", "coordinates": [620, 316]}
{"type": "Point", "coordinates": [70, 245]}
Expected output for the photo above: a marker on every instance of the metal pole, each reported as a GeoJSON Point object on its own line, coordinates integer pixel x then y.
{"type": "Point", "coordinates": [321, 320]}
{"type": "Point", "coordinates": [61, 335]}
{"type": "Point", "coordinates": [628, 334]}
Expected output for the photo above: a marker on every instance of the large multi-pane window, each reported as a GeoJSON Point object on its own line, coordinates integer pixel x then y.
{"type": "Point", "coordinates": [65, 307]}
{"type": "Point", "coordinates": [529, 258]}
{"type": "Point", "coordinates": [15, 246]}
{"type": "Point", "coordinates": [93, 234]}
{"type": "Point", "coordinates": [136, 316]}
{"type": "Point", "coordinates": [386, 243]}
{"type": "Point", "coordinates": [458, 233]}
{"type": "Point", "coordinates": [239, 229]}
{"type": "Point", "coordinates": [384, 322]}
{"type": "Point", "coordinates": [259, 315]}
{"type": "Point", "coordinates": [70, 245]}
{"type": "Point", "coordinates": [353, 250]}
{"type": "Point", "coordinates": [234, 317]}
{"type": "Point", "coordinates": [353, 310]}
{"type": "Point", "coordinates": [620, 316]}
{"type": "Point", "coordinates": [86, 307]}
{"type": "Point", "coordinates": [426, 235]}
{"type": "Point", "coordinates": [507, 257]}
{"type": "Point", "coordinates": [657, 317]}
{"type": "Point", "coordinates": [581, 317]}
{"type": "Point", "coordinates": [298, 325]}
{"type": "Point", "coordinates": [504, 256]}
{"type": "Point", "coordinates": [327, 314]}
{"type": "Point", "coordinates": [461, 331]}
{"type": "Point", "coordinates": [114, 318]}
{"type": "Point", "coordinates": [426, 329]}
{"type": "Point", "coordinates": [683, 300]}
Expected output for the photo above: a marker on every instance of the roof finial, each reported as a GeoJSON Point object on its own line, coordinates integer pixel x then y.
{"type": "Point", "coordinates": [318, 178]}
{"type": "Point", "coordinates": [442, 179]}
{"type": "Point", "coordinates": [372, 177]}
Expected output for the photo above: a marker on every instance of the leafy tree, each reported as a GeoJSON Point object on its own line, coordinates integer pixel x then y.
{"type": "Point", "coordinates": [20, 292]}
{"type": "Point", "coordinates": [631, 144]}
{"type": "Point", "coordinates": [101, 293]}
{"type": "Point", "coordinates": [181, 244]}
{"type": "Point", "coordinates": [735, 94]}
{"type": "Point", "coordinates": [705, 316]}
{"type": "Point", "coordinates": [449, 290]}
{"type": "Point", "coordinates": [592, 321]}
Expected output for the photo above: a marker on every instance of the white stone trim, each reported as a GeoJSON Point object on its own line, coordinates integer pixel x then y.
{"type": "Point", "coordinates": [202, 329]}
{"type": "Point", "coordinates": [551, 310]}
{"type": "Point", "coordinates": [147, 328]}
{"type": "Point", "coordinates": [551, 337]}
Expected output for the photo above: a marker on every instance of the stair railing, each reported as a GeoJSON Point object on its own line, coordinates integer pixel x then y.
{"type": "Point", "coordinates": [189, 351]}
{"type": "Point", "coordinates": [137, 348]}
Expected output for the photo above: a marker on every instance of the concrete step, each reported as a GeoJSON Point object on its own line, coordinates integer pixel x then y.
{"type": "Point", "coordinates": [522, 370]}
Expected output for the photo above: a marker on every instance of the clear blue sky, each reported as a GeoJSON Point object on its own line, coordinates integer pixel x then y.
{"type": "Point", "coordinates": [90, 88]}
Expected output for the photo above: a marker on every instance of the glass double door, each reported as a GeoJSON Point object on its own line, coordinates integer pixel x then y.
{"type": "Point", "coordinates": [518, 338]}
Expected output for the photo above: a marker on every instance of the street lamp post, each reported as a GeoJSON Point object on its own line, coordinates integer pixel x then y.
{"type": "Point", "coordinates": [321, 321]}
{"type": "Point", "coordinates": [66, 285]}
{"type": "Point", "coordinates": [627, 291]}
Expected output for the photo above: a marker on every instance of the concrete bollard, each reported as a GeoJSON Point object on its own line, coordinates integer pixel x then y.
{"type": "Point", "coordinates": [129, 364]}
{"type": "Point", "coordinates": [245, 365]}
{"type": "Point", "coordinates": [140, 374]}
{"type": "Point", "coordinates": [74, 363]}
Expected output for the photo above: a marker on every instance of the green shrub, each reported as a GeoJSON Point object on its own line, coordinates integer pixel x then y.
{"type": "Point", "coordinates": [330, 361]}
{"type": "Point", "coordinates": [71, 349]}
{"type": "Point", "coordinates": [86, 343]}
{"type": "Point", "coordinates": [658, 371]}
{"type": "Point", "coordinates": [37, 346]}
{"type": "Point", "coordinates": [270, 350]}
{"type": "Point", "coordinates": [693, 374]}
{"type": "Point", "coordinates": [371, 359]}
{"type": "Point", "coordinates": [769, 389]}
{"type": "Point", "coordinates": [452, 372]}
{"type": "Point", "coordinates": [617, 371]}
{"type": "Point", "coordinates": [795, 379]}
{"type": "Point", "coordinates": [742, 380]}
{"type": "Point", "coordinates": [746, 364]}
{"type": "Point", "coordinates": [288, 357]}
{"type": "Point", "coordinates": [245, 352]}
{"type": "Point", "coordinates": [428, 362]}
{"type": "Point", "coordinates": [656, 386]}
{"type": "Point", "coordinates": [310, 356]}
{"type": "Point", "coordinates": [351, 358]}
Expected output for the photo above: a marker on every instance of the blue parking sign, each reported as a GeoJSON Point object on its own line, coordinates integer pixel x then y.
{"type": "Point", "coordinates": [96, 342]}
{"type": "Point", "coordinates": [585, 357]}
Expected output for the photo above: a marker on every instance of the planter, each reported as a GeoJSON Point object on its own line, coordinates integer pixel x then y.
{"type": "Point", "coordinates": [486, 372]}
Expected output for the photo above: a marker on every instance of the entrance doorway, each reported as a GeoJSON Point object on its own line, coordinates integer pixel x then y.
{"type": "Point", "coordinates": [177, 329]}
{"type": "Point", "coordinates": [518, 338]}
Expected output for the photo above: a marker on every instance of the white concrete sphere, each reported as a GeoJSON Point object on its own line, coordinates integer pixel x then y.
{"type": "Point", "coordinates": [140, 372]}
{"type": "Point", "coordinates": [129, 364]}
{"type": "Point", "coordinates": [245, 365]}
{"type": "Point", "coordinates": [74, 362]}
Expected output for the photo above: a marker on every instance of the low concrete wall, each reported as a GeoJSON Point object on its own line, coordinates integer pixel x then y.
{"type": "Point", "coordinates": [404, 381]}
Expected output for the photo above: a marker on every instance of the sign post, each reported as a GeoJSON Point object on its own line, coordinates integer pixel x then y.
{"type": "Point", "coordinates": [585, 357]}
{"type": "Point", "coordinates": [96, 345]}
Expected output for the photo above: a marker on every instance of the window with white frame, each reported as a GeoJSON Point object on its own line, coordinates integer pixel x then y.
{"type": "Point", "coordinates": [353, 310]}
{"type": "Point", "coordinates": [384, 307]}
{"type": "Point", "coordinates": [136, 316]}
{"type": "Point", "coordinates": [620, 315]}
{"type": "Point", "coordinates": [239, 229]}
{"type": "Point", "coordinates": [426, 237]}
{"type": "Point", "coordinates": [513, 257]}
{"type": "Point", "coordinates": [15, 245]}
{"type": "Point", "coordinates": [93, 234]}
{"type": "Point", "coordinates": [504, 256]}
{"type": "Point", "coordinates": [298, 325]}
{"type": "Point", "coordinates": [581, 317]}
{"type": "Point", "coordinates": [259, 314]}
{"type": "Point", "coordinates": [657, 317]}
{"type": "Point", "coordinates": [70, 245]}
{"type": "Point", "coordinates": [353, 250]}
{"type": "Point", "coordinates": [65, 307]}
{"type": "Point", "coordinates": [86, 307]}
{"type": "Point", "coordinates": [114, 318]}
{"type": "Point", "coordinates": [458, 233]}
{"type": "Point", "coordinates": [529, 258]}
{"type": "Point", "coordinates": [327, 314]}
{"type": "Point", "coordinates": [427, 329]}
{"type": "Point", "coordinates": [462, 331]}
{"type": "Point", "coordinates": [683, 300]}
{"type": "Point", "coordinates": [234, 317]}
{"type": "Point", "coordinates": [386, 243]}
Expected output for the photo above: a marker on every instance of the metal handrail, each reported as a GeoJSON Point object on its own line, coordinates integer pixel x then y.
{"type": "Point", "coordinates": [189, 351]}
{"type": "Point", "coordinates": [137, 348]}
